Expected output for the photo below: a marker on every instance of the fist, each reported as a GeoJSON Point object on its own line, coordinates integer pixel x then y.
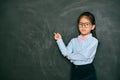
{"type": "Point", "coordinates": [57, 36]}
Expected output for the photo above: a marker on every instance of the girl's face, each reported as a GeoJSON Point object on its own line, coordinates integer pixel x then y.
{"type": "Point", "coordinates": [85, 26]}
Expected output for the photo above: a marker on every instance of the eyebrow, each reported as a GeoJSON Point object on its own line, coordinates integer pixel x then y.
{"type": "Point", "coordinates": [84, 22]}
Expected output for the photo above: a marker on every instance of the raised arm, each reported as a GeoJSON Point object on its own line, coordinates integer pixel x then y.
{"type": "Point", "coordinates": [64, 50]}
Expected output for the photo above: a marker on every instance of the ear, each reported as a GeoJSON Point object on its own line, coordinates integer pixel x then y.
{"type": "Point", "coordinates": [93, 27]}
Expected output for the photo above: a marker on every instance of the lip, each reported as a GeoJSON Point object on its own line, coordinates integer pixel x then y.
{"type": "Point", "coordinates": [83, 30]}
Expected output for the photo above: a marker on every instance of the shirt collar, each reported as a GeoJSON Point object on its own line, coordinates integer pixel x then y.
{"type": "Point", "coordinates": [80, 37]}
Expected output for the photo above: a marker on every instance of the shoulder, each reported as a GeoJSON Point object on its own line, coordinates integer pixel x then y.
{"type": "Point", "coordinates": [93, 39]}
{"type": "Point", "coordinates": [74, 40]}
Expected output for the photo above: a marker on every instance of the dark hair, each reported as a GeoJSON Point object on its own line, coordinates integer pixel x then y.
{"type": "Point", "coordinates": [92, 20]}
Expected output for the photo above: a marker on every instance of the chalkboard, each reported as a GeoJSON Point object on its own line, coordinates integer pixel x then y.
{"type": "Point", "coordinates": [28, 50]}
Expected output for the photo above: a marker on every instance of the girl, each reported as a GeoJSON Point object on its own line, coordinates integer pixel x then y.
{"type": "Point", "coordinates": [82, 49]}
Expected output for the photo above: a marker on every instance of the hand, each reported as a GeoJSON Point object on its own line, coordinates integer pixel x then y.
{"type": "Point", "coordinates": [57, 36]}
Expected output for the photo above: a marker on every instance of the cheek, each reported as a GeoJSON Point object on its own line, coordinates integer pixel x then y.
{"type": "Point", "coordinates": [89, 30]}
{"type": "Point", "coordinates": [79, 29]}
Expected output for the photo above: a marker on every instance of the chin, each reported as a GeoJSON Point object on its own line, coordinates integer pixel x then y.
{"type": "Point", "coordinates": [84, 33]}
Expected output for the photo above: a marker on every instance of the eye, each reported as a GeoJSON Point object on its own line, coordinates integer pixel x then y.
{"type": "Point", "coordinates": [86, 24]}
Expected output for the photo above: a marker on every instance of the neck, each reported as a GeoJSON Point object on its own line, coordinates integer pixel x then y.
{"type": "Point", "coordinates": [85, 34]}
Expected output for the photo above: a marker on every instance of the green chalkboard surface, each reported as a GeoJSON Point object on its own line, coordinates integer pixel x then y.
{"type": "Point", "coordinates": [28, 50]}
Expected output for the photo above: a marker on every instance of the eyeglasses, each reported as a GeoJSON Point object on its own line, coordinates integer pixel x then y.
{"type": "Point", "coordinates": [86, 25]}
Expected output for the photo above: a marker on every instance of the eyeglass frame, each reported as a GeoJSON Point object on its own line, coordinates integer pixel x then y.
{"type": "Point", "coordinates": [86, 25]}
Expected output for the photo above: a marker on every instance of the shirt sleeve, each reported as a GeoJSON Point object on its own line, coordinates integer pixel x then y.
{"type": "Point", "coordinates": [86, 53]}
{"type": "Point", "coordinates": [65, 50]}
